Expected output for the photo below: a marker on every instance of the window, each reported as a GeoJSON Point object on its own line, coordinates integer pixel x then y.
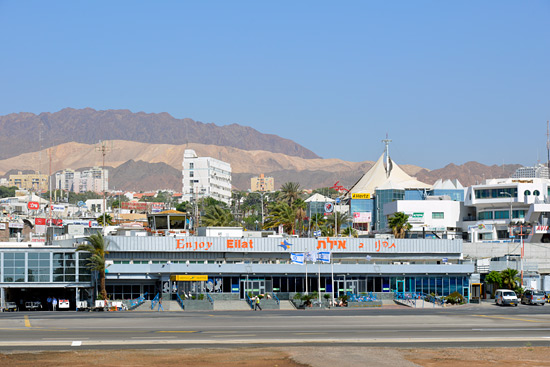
{"type": "Point", "coordinates": [64, 267]}
{"type": "Point", "coordinates": [14, 267]}
{"type": "Point", "coordinates": [438, 215]}
{"type": "Point", "coordinates": [485, 215]}
{"type": "Point", "coordinates": [38, 267]}
{"type": "Point", "coordinates": [191, 173]}
{"type": "Point", "coordinates": [527, 193]}
{"type": "Point", "coordinates": [502, 214]}
{"type": "Point", "coordinates": [191, 165]}
{"type": "Point", "coordinates": [536, 193]}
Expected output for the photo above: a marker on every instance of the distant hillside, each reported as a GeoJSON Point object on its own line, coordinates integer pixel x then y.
{"type": "Point", "coordinates": [26, 132]}
{"type": "Point", "coordinates": [469, 173]}
{"type": "Point", "coordinates": [141, 166]}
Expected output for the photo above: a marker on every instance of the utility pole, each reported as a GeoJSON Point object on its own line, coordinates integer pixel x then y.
{"type": "Point", "coordinates": [548, 147]}
{"type": "Point", "coordinates": [103, 148]}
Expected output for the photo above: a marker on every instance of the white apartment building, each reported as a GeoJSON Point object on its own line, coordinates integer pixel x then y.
{"type": "Point", "coordinates": [205, 177]}
{"type": "Point", "coordinates": [498, 203]}
{"type": "Point", "coordinates": [94, 179]}
{"type": "Point", "coordinates": [539, 171]}
{"type": "Point", "coordinates": [435, 217]}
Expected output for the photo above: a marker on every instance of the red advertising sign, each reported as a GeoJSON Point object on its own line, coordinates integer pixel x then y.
{"type": "Point", "coordinates": [33, 205]}
{"type": "Point", "coordinates": [40, 221]}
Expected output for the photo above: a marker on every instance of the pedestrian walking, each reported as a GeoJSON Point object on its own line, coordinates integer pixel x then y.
{"type": "Point", "coordinates": [160, 305]}
{"type": "Point", "coordinates": [257, 304]}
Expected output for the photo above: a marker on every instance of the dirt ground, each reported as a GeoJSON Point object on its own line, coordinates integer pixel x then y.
{"type": "Point", "coordinates": [286, 357]}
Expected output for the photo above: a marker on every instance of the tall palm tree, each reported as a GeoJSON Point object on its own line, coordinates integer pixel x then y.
{"type": "Point", "coordinates": [290, 192]}
{"type": "Point", "coordinates": [281, 214]}
{"type": "Point", "coordinates": [510, 278]}
{"type": "Point", "coordinates": [399, 224]}
{"type": "Point", "coordinates": [97, 246]}
{"type": "Point", "coordinates": [216, 216]}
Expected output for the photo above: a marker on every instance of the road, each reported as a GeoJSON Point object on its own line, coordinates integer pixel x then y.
{"type": "Point", "coordinates": [470, 325]}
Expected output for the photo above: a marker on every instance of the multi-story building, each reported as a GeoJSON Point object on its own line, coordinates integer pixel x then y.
{"type": "Point", "coordinates": [500, 204]}
{"type": "Point", "coordinates": [263, 184]}
{"type": "Point", "coordinates": [205, 177]}
{"type": "Point", "coordinates": [32, 181]}
{"type": "Point", "coordinates": [67, 180]}
{"type": "Point", "coordinates": [94, 179]}
{"type": "Point", "coordinates": [539, 171]}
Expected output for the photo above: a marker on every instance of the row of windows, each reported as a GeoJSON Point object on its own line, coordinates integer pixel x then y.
{"type": "Point", "coordinates": [496, 193]}
{"type": "Point", "coordinates": [500, 214]}
{"type": "Point", "coordinates": [39, 267]}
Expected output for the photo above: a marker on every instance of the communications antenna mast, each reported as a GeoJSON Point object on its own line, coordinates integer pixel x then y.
{"type": "Point", "coordinates": [103, 148]}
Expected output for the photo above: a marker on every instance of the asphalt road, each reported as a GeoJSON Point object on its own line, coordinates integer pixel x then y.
{"type": "Point", "coordinates": [470, 325]}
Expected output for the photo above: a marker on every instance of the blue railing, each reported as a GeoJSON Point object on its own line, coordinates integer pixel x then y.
{"type": "Point", "coordinates": [276, 298]}
{"type": "Point", "coordinates": [369, 297]}
{"type": "Point", "coordinates": [155, 301]}
{"type": "Point", "coordinates": [411, 297]}
{"type": "Point", "coordinates": [137, 302]}
{"type": "Point", "coordinates": [249, 301]}
{"type": "Point", "coordinates": [180, 301]}
{"type": "Point", "coordinates": [210, 298]}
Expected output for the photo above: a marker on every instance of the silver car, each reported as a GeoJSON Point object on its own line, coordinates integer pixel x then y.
{"type": "Point", "coordinates": [533, 297]}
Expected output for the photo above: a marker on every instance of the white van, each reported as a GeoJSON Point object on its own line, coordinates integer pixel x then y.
{"type": "Point", "coordinates": [506, 297]}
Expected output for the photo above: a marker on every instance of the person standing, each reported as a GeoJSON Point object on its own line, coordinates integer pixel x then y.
{"type": "Point", "coordinates": [160, 305]}
{"type": "Point", "coordinates": [257, 305]}
{"type": "Point", "coordinates": [54, 303]}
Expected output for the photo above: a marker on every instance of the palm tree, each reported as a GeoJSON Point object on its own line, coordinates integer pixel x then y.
{"type": "Point", "coordinates": [97, 246]}
{"type": "Point", "coordinates": [399, 224]}
{"type": "Point", "coordinates": [281, 214]}
{"type": "Point", "coordinates": [338, 219]}
{"type": "Point", "coordinates": [510, 278]}
{"type": "Point", "coordinates": [350, 232]}
{"type": "Point", "coordinates": [108, 220]}
{"type": "Point", "coordinates": [290, 191]}
{"type": "Point", "coordinates": [216, 216]}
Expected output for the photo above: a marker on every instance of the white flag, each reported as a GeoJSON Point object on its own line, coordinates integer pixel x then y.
{"type": "Point", "coordinates": [323, 256]}
{"type": "Point", "coordinates": [297, 258]}
{"type": "Point", "coordinates": [311, 256]}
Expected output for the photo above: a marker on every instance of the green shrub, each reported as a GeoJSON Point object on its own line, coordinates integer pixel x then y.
{"type": "Point", "coordinates": [454, 298]}
{"type": "Point", "coordinates": [326, 295]}
{"type": "Point", "coordinates": [201, 297]}
{"type": "Point", "coordinates": [298, 296]}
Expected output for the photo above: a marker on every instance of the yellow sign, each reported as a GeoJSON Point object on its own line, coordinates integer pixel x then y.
{"type": "Point", "coordinates": [189, 278]}
{"type": "Point", "coordinates": [360, 196]}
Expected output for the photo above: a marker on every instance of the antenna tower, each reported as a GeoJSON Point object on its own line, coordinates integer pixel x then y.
{"type": "Point", "coordinates": [103, 148]}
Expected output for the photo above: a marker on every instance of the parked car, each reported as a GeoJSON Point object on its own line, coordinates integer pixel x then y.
{"type": "Point", "coordinates": [506, 297]}
{"type": "Point", "coordinates": [33, 305]}
{"type": "Point", "coordinates": [11, 306]}
{"type": "Point", "coordinates": [533, 297]}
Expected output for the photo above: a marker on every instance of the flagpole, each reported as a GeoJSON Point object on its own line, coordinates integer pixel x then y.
{"type": "Point", "coordinates": [305, 260]}
{"type": "Point", "coordinates": [319, 283]}
{"type": "Point", "coordinates": [332, 275]}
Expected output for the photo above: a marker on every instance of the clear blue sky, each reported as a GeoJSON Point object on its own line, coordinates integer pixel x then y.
{"type": "Point", "coordinates": [448, 81]}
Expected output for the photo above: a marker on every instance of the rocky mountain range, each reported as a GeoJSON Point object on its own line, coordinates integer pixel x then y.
{"type": "Point", "coordinates": [26, 132]}
{"type": "Point", "coordinates": [144, 160]}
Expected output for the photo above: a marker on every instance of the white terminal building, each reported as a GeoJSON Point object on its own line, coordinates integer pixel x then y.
{"type": "Point", "coordinates": [205, 177]}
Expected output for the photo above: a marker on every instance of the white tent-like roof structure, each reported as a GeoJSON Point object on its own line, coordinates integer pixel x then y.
{"type": "Point", "coordinates": [381, 177]}
{"type": "Point", "coordinates": [317, 198]}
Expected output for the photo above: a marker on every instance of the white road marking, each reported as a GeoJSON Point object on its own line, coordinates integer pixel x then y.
{"type": "Point", "coordinates": [76, 343]}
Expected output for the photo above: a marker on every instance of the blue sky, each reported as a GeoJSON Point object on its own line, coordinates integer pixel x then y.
{"type": "Point", "coordinates": [448, 81]}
